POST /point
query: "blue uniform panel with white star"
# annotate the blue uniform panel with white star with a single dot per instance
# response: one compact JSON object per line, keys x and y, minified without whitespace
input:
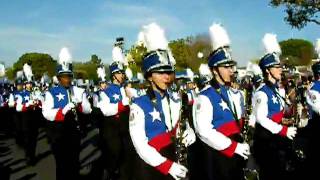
{"x":60,"y":96}
{"x":114,"y":93}
{"x":25,"y":95}
{"x":154,"y":118}
{"x":17,"y":93}
{"x":222,"y":119}
{"x":274,"y":104}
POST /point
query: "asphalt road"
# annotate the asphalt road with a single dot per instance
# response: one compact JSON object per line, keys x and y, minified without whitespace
{"x":12,"y":156}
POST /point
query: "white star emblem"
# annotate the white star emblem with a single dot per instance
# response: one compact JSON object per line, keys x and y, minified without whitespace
{"x":274,"y":100}
{"x":60,"y":96}
{"x":155,"y":115}
{"x":223,"y":105}
{"x":26,"y":98}
{"x":116,"y":97}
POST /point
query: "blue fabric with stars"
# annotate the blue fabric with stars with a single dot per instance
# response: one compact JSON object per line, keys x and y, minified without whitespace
{"x":153,"y":125}
{"x":114,"y":93}
{"x":60,"y":96}
{"x":221,"y":112}
{"x":274,"y":104}
{"x":25,"y":95}
{"x":17,"y":93}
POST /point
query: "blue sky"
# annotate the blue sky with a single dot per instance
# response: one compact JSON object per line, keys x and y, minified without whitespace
{"x":90,"y":26}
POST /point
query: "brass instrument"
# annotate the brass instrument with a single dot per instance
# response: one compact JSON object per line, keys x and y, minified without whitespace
{"x":73,"y":110}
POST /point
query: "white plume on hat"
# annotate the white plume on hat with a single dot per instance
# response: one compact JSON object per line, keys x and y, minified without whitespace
{"x":317,"y":47}
{"x":27,"y":71}
{"x":101,"y":73}
{"x":204,"y":71}
{"x":219,"y":36}
{"x":154,"y":37}
{"x":253,"y":69}
{"x":55,"y":80}
{"x":140,"y":40}
{"x":45,"y":78}
{"x":2,"y":70}
{"x":19,"y":75}
{"x":65,"y":58}
{"x":129,"y":74}
{"x":140,"y":77}
{"x":271,"y":44}
{"x":118,"y":56}
{"x":190,"y":74}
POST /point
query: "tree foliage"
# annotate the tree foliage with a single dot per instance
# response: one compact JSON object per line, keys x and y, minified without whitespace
{"x":300,"y":12}
{"x":40,"y":63}
{"x":88,"y":70}
{"x":297,"y":52}
{"x":184,"y":50}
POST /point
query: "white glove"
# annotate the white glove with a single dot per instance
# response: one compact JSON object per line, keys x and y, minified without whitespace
{"x":291,"y":132}
{"x":67,"y":108}
{"x":243,"y":149}
{"x":188,"y":137}
{"x":178,"y":171}
{"x":29,"y":103}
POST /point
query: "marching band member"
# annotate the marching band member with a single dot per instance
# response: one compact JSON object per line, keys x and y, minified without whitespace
{"x":60,"y":108}
{"x":114,"y":128}
{"x":154,"y":117}
{"x":216,"y":122}
{"x":268,"y":110}
{"x":313,"y":101}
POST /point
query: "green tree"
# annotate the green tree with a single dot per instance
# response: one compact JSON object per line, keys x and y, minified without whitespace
{"x":184,"y":50}
{"x":299,"y":12}
{"x":40,"y":63}
{"x":88,"y":70}
{"x":296,"y":52}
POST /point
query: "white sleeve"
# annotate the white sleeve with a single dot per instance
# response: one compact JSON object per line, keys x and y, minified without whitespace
{"x":125,"y":99}
{"x":313,"y":100}
{"x":261,"y":113}
{"x":11,"y":100}
{"x":140,"y":141}
{"x":19,"y":103}
{"x":86,"y":106}
{"x":47,"y":107}
{"x":106,"y":107}
{"x":134,"y":92}
{"x":205,"y":129}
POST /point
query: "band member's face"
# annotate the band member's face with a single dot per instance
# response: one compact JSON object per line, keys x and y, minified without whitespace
{"x":103,"y":85}
{"x":161,"y":79}
{"x":276,"y":72}
{"x":19,"y":87}
{"x":190,"y":86}
{"x":226,"y":72}
{"x":65,"y":80}
{"x":119,"y":77}
{"x":28,"y":86}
